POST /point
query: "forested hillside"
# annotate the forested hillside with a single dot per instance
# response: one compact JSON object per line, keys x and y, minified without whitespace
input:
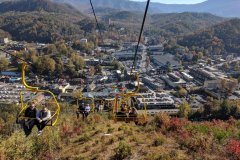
{"x":181,"y":23}
{"x":45,"y":21}
{"x":172,"y":23}
{"x":217,"y":39}
{"x":36,"y":5}
{"x":40,"y":21}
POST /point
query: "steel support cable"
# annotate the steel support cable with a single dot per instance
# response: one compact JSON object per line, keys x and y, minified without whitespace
{"x":98,"y":26}
{"x":140,"y":35}
{"x":29,"y":63}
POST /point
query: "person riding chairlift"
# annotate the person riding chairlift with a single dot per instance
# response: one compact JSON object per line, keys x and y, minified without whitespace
{"x":133,"y":112}
{"x":30,"y":115}
{"x":43,"y":118}
{"x":80,"y":110}
{"x":87,"y":110}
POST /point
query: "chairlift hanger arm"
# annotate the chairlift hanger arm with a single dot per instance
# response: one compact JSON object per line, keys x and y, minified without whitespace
{"x":35,"y":89}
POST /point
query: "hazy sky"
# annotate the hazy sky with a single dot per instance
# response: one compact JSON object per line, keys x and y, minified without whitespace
{"x":175,"y":1}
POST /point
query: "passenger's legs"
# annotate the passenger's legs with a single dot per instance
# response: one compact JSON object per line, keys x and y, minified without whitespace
{"x":28,"y":126}
{"x":42,"y":125}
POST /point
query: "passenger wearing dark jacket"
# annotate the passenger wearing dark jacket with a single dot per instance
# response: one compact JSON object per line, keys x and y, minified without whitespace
{"x":30,"y":118}
{"x":43,"y":117}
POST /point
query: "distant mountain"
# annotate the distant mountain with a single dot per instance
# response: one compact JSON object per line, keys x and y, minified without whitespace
{"x":224,"y":8}
{"x":36,"y":5}
{"x":219,"y":38}
{"x":123,"y":16}
{"x":171,"y":23}
{"x":181,"y":23}
{"x":40,"y":21}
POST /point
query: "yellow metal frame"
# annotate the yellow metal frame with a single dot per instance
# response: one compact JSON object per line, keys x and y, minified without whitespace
{"x":127,"y":96}
{"x":35,"y":89}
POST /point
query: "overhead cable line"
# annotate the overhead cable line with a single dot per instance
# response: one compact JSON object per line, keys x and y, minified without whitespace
{"x":140,"y":35}
{"x":98,"y":26}
{"x":7,"y":52}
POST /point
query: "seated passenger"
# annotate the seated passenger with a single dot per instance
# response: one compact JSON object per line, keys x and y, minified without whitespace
{"x":124,"y":108}
{"x":101,"y":107}
{"x":87,"y":110}
{"x":133,"y":112}
{"x":80,"y":110}
{"x":30,"y":115}
{"x":97,"y":108}
{"x":43,"y":118}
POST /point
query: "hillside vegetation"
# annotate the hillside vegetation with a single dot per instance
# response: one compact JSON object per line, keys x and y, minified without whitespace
{"x":182,"y":23}
{"x":45,"y":21}
{"x":40,"y":21}
{"x":172,"y":23}
{"x":101,"y":138}
{"x":40,"y":26}
{"x":36,"y":5}
{"x":217,"y":39}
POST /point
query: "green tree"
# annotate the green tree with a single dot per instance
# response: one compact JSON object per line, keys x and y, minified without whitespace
{"x":92,"y":71}
{"x":59,"y":67}
{"x":169,"y":66}
{"x":98,"y":68}
{"x":62,"y":48}
{"x":195,"y":58}
{"x":46,"y":65}
{"x":182,"y":92}
{"x":225,"y":110}
{"x":78,"y":62}
{"x":71,"y":68}
{"x":116,"y":65}
{"x":200,"y":55}
{"x":225,"y":66}
{"x":3,"y":64}
{"x":51,"y":49}
{"x":184,"y":110}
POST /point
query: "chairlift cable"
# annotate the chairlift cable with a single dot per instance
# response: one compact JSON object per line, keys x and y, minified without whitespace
{"x":29,"y":63}
{"x":98,"y":26}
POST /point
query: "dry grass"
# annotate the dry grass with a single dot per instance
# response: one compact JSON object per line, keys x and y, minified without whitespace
{"x":101,"y":138}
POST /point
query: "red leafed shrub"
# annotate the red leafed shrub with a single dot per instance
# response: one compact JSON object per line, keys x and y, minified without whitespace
{"x":66,"y":131}
{"x":2,"y":155}
{"x":177,"y":124}
{"x":77,"y":130}
{"x":46,"y":156}
{"x":232,"y":121}
{"x":220,"y":124}
{"x":183,"y":134}
{"x":233,"y":148}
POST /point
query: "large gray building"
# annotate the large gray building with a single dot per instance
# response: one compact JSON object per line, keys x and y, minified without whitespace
{"x":164,"y":59}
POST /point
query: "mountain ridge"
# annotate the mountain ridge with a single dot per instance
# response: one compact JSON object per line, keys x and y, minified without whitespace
{"x":221,"y":7}
{"x":40,"y":20}
{"x":37,"y":5}
{"x":217,"y":39}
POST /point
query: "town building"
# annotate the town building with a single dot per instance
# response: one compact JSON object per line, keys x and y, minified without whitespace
{"x":4,"y":40}
{"x":155,"y":49}
{"x":173,"y":80}
{"x":126,"y":55}
{"x":186,"y":76}
{"x":166,"y":59}
{"x":154,"y":84}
